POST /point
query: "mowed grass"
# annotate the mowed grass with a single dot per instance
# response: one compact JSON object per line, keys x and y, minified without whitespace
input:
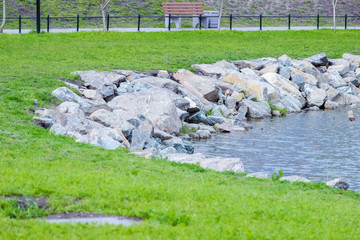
{"x":176,"y":201}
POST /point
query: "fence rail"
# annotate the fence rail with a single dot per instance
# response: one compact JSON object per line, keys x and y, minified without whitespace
{"x":139,"y":18}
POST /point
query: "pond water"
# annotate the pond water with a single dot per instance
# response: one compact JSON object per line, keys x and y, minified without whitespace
{"x":319,"y":145}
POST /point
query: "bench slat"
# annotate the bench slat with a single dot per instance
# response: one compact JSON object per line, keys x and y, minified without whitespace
{"x":183,"y":8}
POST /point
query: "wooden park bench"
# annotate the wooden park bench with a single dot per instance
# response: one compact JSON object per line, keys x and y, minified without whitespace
{"x":175,"y":10}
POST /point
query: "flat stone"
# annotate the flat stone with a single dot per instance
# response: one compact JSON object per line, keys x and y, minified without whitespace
{"x":339,"y":183}
{"x":215,"y":68}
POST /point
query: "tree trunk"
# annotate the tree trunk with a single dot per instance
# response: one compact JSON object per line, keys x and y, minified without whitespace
{"x":220,"y":14}
{"x":4,"y":17}
{"x":103,"y":16}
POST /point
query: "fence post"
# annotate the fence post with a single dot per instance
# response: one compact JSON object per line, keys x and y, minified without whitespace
{"x":346,"y":19}
{"x":231,"y":18}
{"x":169,"y":23}
{"x":48,"y":23}
{"x":139,"y":20}
{"x":200,"y":22}
{"x":77,"y":23}
{"x":261,"y":17}
{"x":318,"y":22}
{"x":19,"y":24}
{"x":289,"y":17}
{"x":38,"y":26}
{"x":108,"y":22}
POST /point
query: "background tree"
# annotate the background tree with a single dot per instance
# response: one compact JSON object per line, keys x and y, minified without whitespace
{"x":4,"y":17}
{"x":334,"y":2}
{"x":220,"y":14}
{"x":103,"y":5}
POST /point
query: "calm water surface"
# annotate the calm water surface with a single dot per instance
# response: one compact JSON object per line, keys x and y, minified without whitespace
{"x":318,"y":145}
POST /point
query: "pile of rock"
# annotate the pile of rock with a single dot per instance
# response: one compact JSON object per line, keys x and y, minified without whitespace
{"x":146,"y":112}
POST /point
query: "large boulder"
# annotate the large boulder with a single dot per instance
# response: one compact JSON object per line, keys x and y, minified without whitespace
{"x":285,"y":85}
{"x":112,"y":120}
{"x":256,"y":109}
{"x":354,"y":59}
{"x":340,"y":65}
{"x":248,"y":64}
{"x":215,"y":68}
{"x":217,"y":164}
{"x":334,"y":79}
{"x":300,"y":76}
{"x":199,"y":84}
{"x":252,"y":84}
{"x":155,"y":104}
{"x":65,"y":94}
{"x":316,"y":98}
{"x":159,"y":82}
{"x":339,"y":183}
{"x":318,"y":60}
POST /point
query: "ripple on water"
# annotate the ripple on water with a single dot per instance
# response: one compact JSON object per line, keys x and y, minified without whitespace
{"x":319,"y":145}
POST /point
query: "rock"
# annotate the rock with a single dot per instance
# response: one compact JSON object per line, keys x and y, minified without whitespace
{"x":294,"y":178}
{"x":339,"y":99}
{"x":159,"y":82}
{"x":305,"y":67}
{"x":285,"y":72}
{"x":203,"y":134}
{"x":230,"y":102}
{"x":65,"y":94}
{"x":316,"y":98}
{"x":330,"y":105}
{"x":346,"y":90}
{"x":334,"y":79}
{"x":193,"y":108}
{"x":305,"y":77}
{"x":161,"y":135}
{"x":260,"y":175}
{"x":197,"y":84}
{"x":154,"y":143}
{"x":140,"y":135}
{"x":182,"y":114}
{"x":256,"y":109}
{"x":271,"y":68}
{"x":275,"y":113}
{"x":199,"y":127}
{"x":351,"y":99}
{"x":318,"y":60}
{"x":155,"y":104}
{"x":35,"y":102}
{"x":248,"y":64}
{"x":167,"y":151}
{"x":290,"y":103}
{"x":238,"y":96}
{"x":147,"y":153}
{"x":298,"y":80}
{"x":180,"y":145}
{"x":141,"y":86}
{"x":215,"y":68}
{"x":354,"y":59}
{"x":44,"y":122}
{"x":221,"y":111}
{"x":339,"y":65}
{"x":351,"y":115}
{"x":265,"y":61}
{"x":285,"y":85}
{"x":254,"y":86}
{"x":314,"y":108}
{"x":89,"y":93}
{"x":163,"y":74}
{"x":200,"y":117}
{"x":217,"y":164}
{"x":339,"y":183}
{"x":112,"y":120}
{"x":108,"y":143}
{"x":125,"y":87}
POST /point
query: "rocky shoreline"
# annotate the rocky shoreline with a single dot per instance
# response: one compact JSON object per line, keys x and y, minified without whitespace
{"x":156,"y":114}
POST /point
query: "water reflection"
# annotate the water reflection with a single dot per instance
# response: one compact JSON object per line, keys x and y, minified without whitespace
{"x":318,"y":145}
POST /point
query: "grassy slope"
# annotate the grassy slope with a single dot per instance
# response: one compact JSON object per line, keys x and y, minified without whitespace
{"x":178,"y":201}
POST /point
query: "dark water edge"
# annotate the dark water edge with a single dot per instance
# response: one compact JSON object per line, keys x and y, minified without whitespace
{"x":319,"y":145}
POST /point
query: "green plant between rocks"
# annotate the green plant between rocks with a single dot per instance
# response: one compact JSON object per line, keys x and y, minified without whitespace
{"x":210,"y":112}
{"x":283,"y":111}
{"x":277,"y":176}
{"x":186,"y":130}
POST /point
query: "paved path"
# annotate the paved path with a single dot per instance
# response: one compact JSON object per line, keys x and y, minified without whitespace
{"x":67,"y":30}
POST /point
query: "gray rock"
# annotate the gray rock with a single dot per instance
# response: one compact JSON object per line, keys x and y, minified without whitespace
{"x":215,"y":68}
{"x":125,"y":87}
{"x":271,"y":68}
{"x":217,"y":119}
{"x":88,"y":110}
{"x":314,"y":108}
{"x":285,"y":72}
{"x":155,"y":104}
{"x":167,"y":151}
{"x":154,"y":143}
{"x":109,"y":143}
{"x":330,"y":105}
{"x":44,"y":122}
{"x":112,"y":120}
{"x":203,"y":134}
{"x":217,"y":164}
{"x":163,"y":74}
{"x":316,"y":98}
{"x":339,"y":99}
{"x":200,"y":117}
{"x":294,"y":178}
{"x":318,"y":60}
{"x":248,"y":64}
{"x":161,"y":135}
{"x":308,"y":88}
{"x":140,"y":135}
{"x":346,"y":89}
{"x":159,"y":82}
{"x":298,"y":77}
{"x":199,"y":127}
{"x":275,"y":113}
{"x":221,"y":111}
{"x":147,"y":153}
{"x":334,"y":79}
{"x":354,"y":59}
{"x":227,"y":127}
{"x":65,"y":94}
{"x":180,"y":145}
{"x":230,"y":102}
{"x":198,"y":84}
{"x":260,"y":175}
{"x":141,"y":86}
{"x":339,"y":183}
{"x":339,"y":65}
{"x":256,"y":109}
{"x":182,"y":114}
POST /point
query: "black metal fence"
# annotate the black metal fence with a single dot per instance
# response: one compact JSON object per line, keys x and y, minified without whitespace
{"x":228,"y":21}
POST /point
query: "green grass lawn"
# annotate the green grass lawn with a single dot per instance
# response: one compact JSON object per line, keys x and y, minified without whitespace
{"x":176,"y":201}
